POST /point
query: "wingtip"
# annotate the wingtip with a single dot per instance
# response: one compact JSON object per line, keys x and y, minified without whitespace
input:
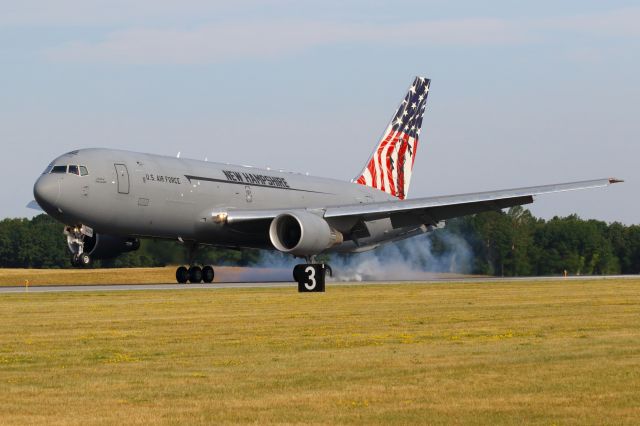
{"x":614,"y":180}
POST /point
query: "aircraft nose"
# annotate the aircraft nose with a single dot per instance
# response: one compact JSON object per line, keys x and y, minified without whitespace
{"x":46,"y":192}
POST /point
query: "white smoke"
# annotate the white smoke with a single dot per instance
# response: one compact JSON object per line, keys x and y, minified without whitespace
{"x":410,"y":259}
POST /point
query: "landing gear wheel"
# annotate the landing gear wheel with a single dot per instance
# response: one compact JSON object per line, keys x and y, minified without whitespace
{"x":207,"y":274}
{"x":182,"y":275}
{"x":80,"y":260}
{"x":85,"y":259}
{"x":195,"y":275}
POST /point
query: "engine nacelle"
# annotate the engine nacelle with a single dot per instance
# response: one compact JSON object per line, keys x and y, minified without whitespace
{"x":101,"y":246}
{"x":302,"y":233}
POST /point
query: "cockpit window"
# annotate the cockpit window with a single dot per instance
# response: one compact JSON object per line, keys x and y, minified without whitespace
{"x":48,"y":169}
{"x":72,"y":169}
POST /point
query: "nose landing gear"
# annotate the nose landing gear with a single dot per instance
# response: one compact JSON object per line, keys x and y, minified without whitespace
{"x":75,"y":242}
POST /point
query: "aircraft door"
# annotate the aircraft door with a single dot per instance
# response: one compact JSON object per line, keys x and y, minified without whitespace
{"x":122,"y":175}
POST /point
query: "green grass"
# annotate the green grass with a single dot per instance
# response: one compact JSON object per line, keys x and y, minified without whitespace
{"x":541,"y":353}
{"x":81,"y":276}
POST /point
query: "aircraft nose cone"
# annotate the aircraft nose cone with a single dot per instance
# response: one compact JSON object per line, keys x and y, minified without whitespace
{"x":46,"y":192}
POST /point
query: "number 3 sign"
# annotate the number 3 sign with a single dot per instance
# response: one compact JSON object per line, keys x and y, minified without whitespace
{"x":310,"y":277}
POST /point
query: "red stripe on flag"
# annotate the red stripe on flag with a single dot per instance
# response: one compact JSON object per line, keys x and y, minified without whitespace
{"x":392,"y":184}
{"x":379,"y":152}
{"x":402,"y":152}
{"x":372,"y":170}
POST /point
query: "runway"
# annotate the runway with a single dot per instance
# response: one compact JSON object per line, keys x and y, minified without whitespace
{"x":221,"y":286}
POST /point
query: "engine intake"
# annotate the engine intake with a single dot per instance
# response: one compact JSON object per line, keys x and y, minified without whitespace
{"x":302,"y":233}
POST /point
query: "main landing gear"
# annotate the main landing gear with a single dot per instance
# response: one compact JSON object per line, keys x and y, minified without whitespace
{"x":195,"y":274}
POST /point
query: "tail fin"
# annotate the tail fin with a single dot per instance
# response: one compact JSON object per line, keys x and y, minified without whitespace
{"x":390,"y":165}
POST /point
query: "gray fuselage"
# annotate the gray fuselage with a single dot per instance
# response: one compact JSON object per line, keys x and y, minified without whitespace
{"x":146,"y":195}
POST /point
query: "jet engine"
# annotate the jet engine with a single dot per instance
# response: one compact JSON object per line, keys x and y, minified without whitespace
{"x":101,"y":246}
{"x":302,"y":233}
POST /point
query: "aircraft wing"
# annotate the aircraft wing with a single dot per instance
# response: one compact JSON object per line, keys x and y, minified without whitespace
{"x":427,"y":210}
{"x":450,"y":206}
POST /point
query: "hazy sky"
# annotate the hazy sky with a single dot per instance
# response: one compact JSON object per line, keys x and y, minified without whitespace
{"x":522,"y":93}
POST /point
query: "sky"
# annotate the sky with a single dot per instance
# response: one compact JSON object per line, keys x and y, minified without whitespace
{"x":522,"y":93}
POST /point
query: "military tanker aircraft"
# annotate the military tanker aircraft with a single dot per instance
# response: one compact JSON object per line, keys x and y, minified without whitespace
{"x":108,"y":199}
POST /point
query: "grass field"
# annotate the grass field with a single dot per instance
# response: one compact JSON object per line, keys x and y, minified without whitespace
{"x":17,"y":276}
{"x":38,"y":277}
{"x":491,"y":353}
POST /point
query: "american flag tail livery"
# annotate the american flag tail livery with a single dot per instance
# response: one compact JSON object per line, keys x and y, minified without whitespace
{"x":390,"y":165}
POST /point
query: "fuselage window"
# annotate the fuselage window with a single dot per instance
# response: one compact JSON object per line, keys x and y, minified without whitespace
{"x":83,"y":171}
{"x":73,"y":169}
{"x":59,"y":169}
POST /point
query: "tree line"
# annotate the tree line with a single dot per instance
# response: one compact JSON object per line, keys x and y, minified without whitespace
{"x":504,"y":243}
{"x":515,"y":243}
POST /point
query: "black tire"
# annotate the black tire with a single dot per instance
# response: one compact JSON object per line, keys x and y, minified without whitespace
{"x":328,"y":269}
{"x":182,"y":275}
{"x":85,"y":259}
{"x":75,"y":262}
{"x":208,"y":274}
{"x":195,"y":275}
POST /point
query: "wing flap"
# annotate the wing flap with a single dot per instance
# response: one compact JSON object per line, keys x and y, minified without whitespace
{"x":433,"y":215}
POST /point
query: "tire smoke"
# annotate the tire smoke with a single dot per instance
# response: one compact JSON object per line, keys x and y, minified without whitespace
{"x":415,"y":258}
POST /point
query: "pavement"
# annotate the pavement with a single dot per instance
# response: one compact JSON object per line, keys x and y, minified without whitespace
{"x":329,"y":284}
